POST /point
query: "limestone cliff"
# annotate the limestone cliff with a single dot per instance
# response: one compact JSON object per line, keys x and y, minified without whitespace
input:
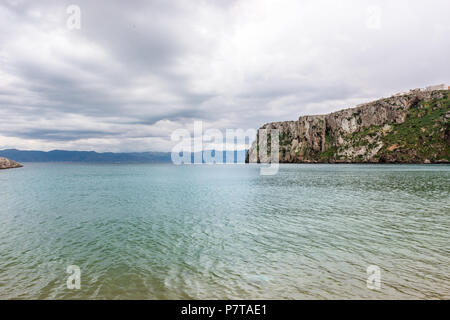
{"x":408,"y":128}
{"x":7,"y":164}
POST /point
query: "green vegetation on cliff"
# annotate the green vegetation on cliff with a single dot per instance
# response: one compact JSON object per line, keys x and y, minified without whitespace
{"x":424,"y":135}
{"x":413,"y":127}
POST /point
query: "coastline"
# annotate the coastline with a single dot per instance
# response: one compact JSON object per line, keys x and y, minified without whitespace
{"x":411,"y":129}
{"x":8,"y":164}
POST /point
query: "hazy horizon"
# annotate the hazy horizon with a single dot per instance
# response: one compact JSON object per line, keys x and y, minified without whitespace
{"x":131,"y":75}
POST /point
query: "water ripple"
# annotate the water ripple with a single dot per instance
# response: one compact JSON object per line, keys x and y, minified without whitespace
{"x":218,"y":232}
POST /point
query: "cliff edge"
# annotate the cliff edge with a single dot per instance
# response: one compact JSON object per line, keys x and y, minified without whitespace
{"x":412,"y":127}
{"x":8,"y":164}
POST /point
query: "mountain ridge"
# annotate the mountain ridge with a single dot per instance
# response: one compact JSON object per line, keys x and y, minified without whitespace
{"x":107,"y":157}
{"x":411,"y":127}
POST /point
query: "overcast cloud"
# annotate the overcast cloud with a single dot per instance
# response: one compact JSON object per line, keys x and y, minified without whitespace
{"x":138,"y":70}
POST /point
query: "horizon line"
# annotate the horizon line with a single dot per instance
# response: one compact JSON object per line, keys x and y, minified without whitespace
{"x":93,"y":151}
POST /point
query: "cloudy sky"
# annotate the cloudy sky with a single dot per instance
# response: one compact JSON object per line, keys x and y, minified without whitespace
{"x":135,"y":71}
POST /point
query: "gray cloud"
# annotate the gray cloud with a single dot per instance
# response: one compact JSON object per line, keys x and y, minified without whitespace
{"x":61,"y":135}
{"x":136,"y":72}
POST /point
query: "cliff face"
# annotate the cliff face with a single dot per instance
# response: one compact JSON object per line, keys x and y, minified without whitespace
{"x":411,"y":128}
{"x":7,"y":164}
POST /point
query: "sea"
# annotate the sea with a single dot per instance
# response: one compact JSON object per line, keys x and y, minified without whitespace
{"x":162,"y":231}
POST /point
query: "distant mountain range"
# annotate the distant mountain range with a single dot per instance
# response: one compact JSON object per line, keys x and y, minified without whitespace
{"x":106,"y":157}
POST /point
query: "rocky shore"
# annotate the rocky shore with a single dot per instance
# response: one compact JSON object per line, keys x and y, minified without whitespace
{"x":8,"y":164}
{"x":409,"y":128}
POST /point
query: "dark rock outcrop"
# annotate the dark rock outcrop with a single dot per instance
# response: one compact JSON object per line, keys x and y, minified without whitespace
{"x":408,"y":128}
{"x":8,"y":164}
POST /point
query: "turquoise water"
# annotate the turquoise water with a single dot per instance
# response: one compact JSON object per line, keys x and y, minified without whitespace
{"x":209,"y":232}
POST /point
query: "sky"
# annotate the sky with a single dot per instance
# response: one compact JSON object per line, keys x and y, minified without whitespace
{"x":127,"y":74}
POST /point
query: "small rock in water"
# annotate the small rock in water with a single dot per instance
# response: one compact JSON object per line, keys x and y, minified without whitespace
{"x":7,"y":164}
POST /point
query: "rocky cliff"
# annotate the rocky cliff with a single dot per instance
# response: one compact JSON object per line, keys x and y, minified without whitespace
{"x":7,"y":164}
{"x":408,"y":128}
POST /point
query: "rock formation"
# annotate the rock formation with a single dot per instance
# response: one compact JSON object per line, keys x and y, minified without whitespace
{"x":408,"y":128}
{"x":7,"y":164}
